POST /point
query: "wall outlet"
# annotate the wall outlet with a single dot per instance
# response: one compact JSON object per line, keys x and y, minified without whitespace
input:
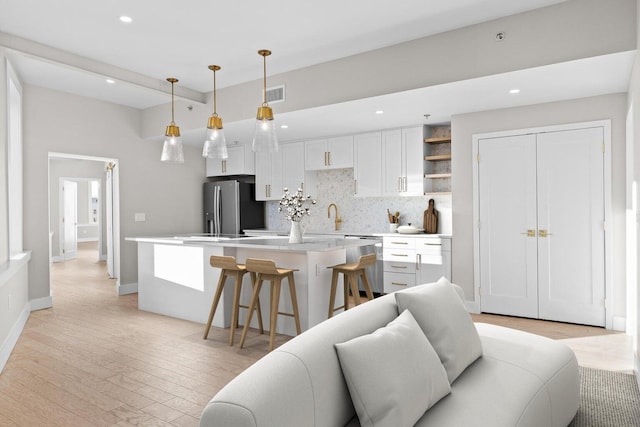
{"x":140,"y":217}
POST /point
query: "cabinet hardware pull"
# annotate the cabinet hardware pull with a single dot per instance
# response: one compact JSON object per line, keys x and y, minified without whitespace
{"x":543,"y":233}
{"x":398,"y":266}
{"x":355,"y":186}
{"x":329,"y":158}
{"x":530,"y":233}
{"x":399,"y":243}
{"x":399,"y":255}
{"x":398,"y":284}
{"x":404,"y":184}
{"x":399,"y":184}
{"x":418,"y":261}
{"x":432,"y":244}
{"x":325,"y":158}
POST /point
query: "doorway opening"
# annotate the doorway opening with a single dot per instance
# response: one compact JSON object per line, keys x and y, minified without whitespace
{"x":84,"y":237}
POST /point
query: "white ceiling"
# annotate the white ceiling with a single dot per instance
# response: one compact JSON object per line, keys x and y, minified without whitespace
{"x":168,"y":38}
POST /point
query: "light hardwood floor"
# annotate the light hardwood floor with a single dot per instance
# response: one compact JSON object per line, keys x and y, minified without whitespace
{"x":95,"y":360}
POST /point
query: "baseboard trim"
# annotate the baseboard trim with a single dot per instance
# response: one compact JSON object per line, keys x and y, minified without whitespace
{"x":128,"y":288}
{"x":473,"y":307}
{"x":41,"y":303}
{"x":619,"y":323}
{"x":14,"y":335}
{"x":87,"y":239}
{"x":57,"y":258}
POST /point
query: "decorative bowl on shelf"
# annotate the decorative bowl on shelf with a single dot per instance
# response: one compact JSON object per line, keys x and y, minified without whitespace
{"x":409,"y":229}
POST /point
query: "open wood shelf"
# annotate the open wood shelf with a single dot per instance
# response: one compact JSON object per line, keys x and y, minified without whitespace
{"x":438,"y":175}
{"x":438,"y":140}
{"x":438,"y":157}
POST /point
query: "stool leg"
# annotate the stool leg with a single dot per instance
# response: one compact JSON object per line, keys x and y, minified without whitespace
{"x":353,"y":281}
{"x":367,"y":285}
{"x":253,"y":283}
{"x":252,"y":305}
{"x":345,"y":291}
{"x":236,"y":306}
{"x":294,"y":301}
{"x":275,"y":303}
{"x":332,"y":295}
{"x":214,"y":304}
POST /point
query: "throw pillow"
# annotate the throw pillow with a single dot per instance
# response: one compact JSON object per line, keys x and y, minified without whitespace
{"x":444,"y":320}
{"x":393,"y":375}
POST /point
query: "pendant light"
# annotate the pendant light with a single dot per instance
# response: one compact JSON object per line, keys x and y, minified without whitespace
{"x":215,"y":145}
{"x":172,"y":149}
{"x":264,"y":137}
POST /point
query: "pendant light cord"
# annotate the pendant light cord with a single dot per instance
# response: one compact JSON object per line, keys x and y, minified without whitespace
{"x":172,"y":107}
{"x":215,"y":114}
{"x":264,"y":91}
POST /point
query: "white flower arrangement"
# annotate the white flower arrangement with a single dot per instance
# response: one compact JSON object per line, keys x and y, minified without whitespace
{"x":295,"y":206}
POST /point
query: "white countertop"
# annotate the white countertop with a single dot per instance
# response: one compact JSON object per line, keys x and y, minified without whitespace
{"x":342,"y":233}
{"x":279,"y":243}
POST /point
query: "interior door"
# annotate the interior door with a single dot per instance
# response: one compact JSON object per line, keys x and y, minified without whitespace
{"x":571,"y":273}
{"x":70,"y":220}
{"x":109,"y":215}
{"x":507,"y":187}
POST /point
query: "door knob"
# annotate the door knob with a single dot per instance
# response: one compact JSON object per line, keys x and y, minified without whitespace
{"x":543,"y":233}
{"x":530,"y":233}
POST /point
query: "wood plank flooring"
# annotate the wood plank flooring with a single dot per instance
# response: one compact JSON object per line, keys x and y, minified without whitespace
{"x":96,"y":360}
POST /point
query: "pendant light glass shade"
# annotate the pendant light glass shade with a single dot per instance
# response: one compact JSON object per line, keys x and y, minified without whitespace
{"x":264,"y":136}
{"x":215,"y":144}
{"x":172,"y":151}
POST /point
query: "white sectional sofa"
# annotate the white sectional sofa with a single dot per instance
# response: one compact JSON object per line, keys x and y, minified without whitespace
{"x":520,"y":379}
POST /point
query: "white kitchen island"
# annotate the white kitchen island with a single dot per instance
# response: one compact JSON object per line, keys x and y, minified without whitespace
{"x":176,"y":279}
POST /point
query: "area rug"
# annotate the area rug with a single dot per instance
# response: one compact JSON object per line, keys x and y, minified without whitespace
{"x":607,"y":399}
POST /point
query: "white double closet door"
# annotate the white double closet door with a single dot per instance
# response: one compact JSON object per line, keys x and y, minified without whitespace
{"x":541,"y":212}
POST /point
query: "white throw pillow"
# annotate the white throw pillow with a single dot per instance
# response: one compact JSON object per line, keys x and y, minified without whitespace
{"x":444,"y":320}
{"x":394,"y":375}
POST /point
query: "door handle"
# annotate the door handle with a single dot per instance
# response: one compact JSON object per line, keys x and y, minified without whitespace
{"x":543,"y":233}
{"x":531,"y":233}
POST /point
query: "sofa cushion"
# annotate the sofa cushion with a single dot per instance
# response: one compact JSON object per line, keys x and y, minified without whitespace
{"x":444,"y":320}
{"x":394,"y":375}
{"x":521,"y":380}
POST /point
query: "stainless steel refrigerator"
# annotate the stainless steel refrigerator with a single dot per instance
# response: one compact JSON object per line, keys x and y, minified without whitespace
{"x":230,"y":207}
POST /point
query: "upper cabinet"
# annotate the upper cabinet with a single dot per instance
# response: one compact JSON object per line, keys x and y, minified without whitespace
{"x":331,"y":153}
{"x":437,"y":156}
{"x":402,"y":164}
{"x":280,"y":170}
{"x":367,"y":150}
{"x":240,"y":162}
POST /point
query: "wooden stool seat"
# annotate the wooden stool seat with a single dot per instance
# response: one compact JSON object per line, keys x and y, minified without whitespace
{"x":237,"y":271}
{"x":351,"y":273}
{"x":267,"y":270}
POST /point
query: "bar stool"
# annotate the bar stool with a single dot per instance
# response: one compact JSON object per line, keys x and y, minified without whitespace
{"x":236,"y":271}
{"x":267,"y":270}
{"x":351,"y":273}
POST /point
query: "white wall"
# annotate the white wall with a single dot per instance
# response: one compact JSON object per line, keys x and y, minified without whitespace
{"x":570,"y":30}
{"x":580,"y":110}
{"x":170,"y":194}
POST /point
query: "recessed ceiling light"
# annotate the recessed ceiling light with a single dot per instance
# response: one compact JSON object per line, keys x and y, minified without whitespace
{"x":284,"y":127}
{"x":514,"y":91}
{"x":110,"y":81}
{"x":126,"y":19}
{"x":379,"y":112}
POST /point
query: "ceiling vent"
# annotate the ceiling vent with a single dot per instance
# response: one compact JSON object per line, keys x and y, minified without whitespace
{"x":275,"y":94}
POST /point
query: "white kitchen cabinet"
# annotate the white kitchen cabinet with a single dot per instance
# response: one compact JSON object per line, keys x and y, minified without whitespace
{"x":367,"y":164}
{"x":280,"y":170}
{"x":331,"y":153}
{"x":402,"y":157}
{"x":240,"y":162}
{"x":414,"y":260}
{"x":293,"y":175}
{"x":268,"y":175}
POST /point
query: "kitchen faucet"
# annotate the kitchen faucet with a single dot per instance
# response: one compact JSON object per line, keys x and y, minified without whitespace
{"x":338,"y":219}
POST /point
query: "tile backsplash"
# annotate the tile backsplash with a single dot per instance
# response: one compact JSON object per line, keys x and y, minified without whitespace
{"x":360,"y":215}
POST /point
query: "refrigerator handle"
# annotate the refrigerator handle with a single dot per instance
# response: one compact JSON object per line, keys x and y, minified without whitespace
{"x":216,"y":209}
